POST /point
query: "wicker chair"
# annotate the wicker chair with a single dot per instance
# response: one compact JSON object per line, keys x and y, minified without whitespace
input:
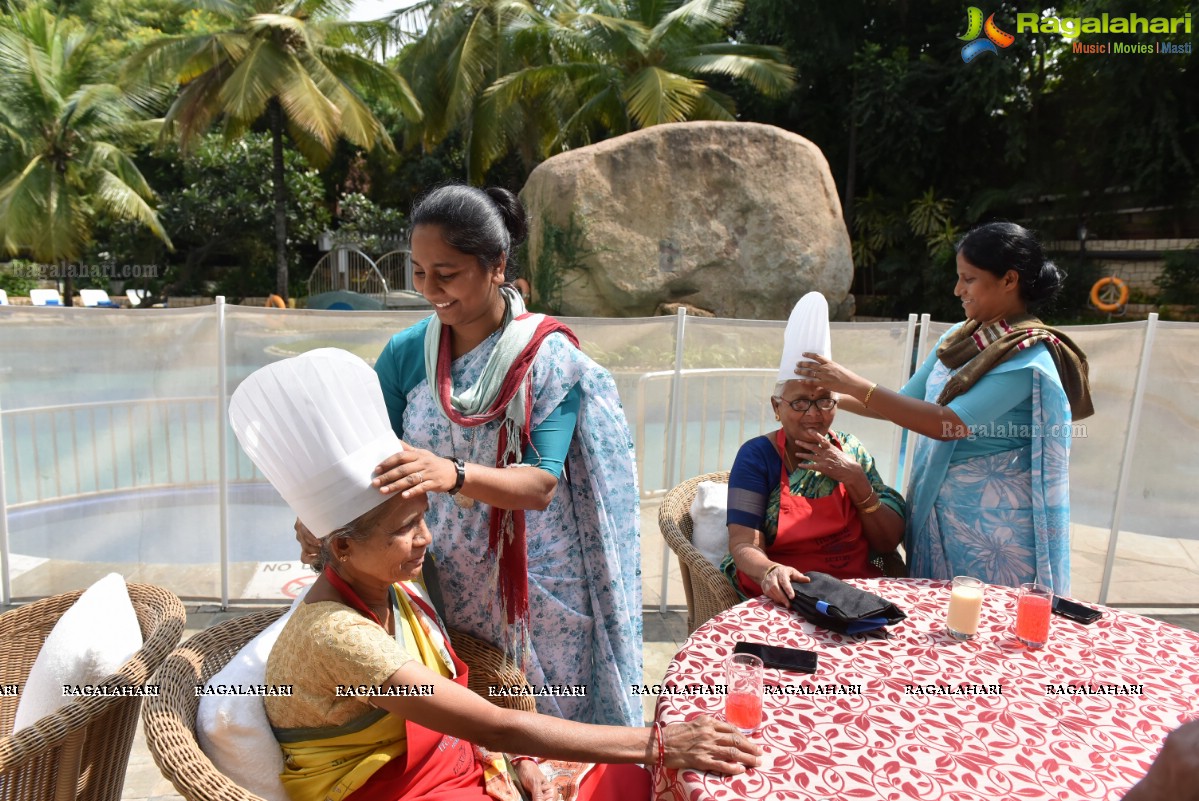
{"x":80,"y":751}
{"x":708,"y":591}
{"x":170,"y":719}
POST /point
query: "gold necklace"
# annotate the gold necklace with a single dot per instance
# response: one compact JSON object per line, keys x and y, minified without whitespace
{"x":787,"y":455}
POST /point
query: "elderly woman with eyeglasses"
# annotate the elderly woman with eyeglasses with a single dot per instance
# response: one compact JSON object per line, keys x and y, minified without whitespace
{"x":805,"y":497}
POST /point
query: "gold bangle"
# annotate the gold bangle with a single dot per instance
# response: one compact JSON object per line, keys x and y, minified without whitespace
{"x":769,"y":570}
{"x":866,"y":501}
{"x":874,"y":508}
{"x":869,"y":392}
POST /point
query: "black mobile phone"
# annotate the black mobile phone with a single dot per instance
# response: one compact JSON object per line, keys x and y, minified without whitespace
{"x":1074,"y":611}
{"x":780,"y":658}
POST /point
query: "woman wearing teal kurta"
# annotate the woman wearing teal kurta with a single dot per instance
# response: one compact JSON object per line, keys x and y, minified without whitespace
{"x":520,"y":441}
{"x":989,"y":492}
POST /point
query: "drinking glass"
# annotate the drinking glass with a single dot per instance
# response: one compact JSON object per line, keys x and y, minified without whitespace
{"x":965,"y":604}
{"x":743,"y":704}
{"x":1034,"y":603}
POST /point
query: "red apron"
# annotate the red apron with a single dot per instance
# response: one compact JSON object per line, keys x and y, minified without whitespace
{"x":822,"y":534}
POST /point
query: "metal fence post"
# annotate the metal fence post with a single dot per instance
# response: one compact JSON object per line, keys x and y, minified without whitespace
{"x":905,"y":372}
{"x":5,"y":578}
{"x":672,"y":438}
{"x":1134,"y":423}
{"x":921,"y":347}
{"x":222,"y":418}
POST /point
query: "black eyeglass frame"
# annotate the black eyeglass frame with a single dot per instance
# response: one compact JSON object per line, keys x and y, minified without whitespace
{"x":801,"y":405}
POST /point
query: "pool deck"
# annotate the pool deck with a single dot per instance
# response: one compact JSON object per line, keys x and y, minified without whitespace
{"x":1152,"y":575}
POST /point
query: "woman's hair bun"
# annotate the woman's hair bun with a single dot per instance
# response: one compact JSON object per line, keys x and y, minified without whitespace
{"x":1046,"y":284}
{"x":513,"y":212}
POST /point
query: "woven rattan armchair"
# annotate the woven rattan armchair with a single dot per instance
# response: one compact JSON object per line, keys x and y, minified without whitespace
{"x":170,"y":719}
{"x":708,"y":591}
{"x":80,"y":751}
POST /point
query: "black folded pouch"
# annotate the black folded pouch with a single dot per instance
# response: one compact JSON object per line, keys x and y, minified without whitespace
{"x":832,"y":604}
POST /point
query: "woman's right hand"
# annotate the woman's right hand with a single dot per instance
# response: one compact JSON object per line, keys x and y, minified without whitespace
{"x":817,"y":371}
{"x":310,"y":546}
{"x":415,"y":471}
{"x":776,"y":583}
{"x":709,"y":744}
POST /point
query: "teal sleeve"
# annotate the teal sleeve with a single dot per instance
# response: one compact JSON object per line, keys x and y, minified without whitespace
{"x":400,"y":367}
{"x":550,"y":441}
{"x":993,"y":396}
{"x":914,"y":388}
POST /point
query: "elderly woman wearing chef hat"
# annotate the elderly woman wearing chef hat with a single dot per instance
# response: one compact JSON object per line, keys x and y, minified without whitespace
{"x":316,"y":426}
{"x":806,"y":496}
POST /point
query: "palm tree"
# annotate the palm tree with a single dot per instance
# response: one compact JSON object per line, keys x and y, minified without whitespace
{"x":288,"y":64}
{"x":562,"y":73}
{"x":465,"y":47}
{"x":62,"y":137}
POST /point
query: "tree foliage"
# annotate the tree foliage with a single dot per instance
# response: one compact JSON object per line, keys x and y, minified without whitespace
{"x":539,"y":78}
{"x":215,"y":206}
{"x":64,"y":139}
{"x":1035,"y":133}
{"x":293,"y":65}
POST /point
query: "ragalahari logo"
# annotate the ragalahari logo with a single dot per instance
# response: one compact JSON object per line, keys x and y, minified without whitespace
{"x":975,"y":26}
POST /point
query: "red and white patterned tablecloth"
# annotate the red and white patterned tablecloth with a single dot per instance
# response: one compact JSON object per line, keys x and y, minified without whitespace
{"x":1027,"y":741}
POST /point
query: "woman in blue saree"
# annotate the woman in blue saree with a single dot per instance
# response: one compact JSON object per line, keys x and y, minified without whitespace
{"x":520,"y":442}
{"x":993,"y":404}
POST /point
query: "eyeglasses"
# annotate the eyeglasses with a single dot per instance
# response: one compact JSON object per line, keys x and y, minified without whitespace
{"x":801,"y":405}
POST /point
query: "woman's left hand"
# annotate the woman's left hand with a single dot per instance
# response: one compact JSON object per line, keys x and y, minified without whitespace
{"x":816,"y":452}
{"x":413,"y":472}
{"x":818,"y":371}
{"x":534,"y":781}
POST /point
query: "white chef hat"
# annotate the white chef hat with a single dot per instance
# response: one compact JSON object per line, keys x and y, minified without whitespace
{"x":807,"y":332}
{"x":316,"y":425}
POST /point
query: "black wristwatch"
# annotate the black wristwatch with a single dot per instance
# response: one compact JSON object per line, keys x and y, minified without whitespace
{"x":461,"y":467}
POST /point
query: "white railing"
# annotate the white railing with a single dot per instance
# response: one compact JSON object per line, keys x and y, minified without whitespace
{"x":700,"y":392}
{"x":1131,"y":474}
{"x":115,"y":446}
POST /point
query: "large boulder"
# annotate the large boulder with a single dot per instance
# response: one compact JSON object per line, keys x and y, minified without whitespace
{"x":740,"y":219}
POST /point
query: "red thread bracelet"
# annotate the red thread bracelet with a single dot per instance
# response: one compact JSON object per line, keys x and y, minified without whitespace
{"x":661,"y":765}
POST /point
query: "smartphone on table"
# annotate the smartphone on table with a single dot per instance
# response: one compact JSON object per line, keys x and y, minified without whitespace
{"x":773,"y":656}
{"x":1075,"y":611}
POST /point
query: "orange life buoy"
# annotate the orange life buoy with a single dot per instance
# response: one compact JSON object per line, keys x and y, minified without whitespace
{"x":1102,"y":300}
{"x":275,"y":301}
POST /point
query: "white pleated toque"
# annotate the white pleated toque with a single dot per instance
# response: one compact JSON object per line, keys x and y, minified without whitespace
{"x":316,"y":426}
{"x":807,"y":332}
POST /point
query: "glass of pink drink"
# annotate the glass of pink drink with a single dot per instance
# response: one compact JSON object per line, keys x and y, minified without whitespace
{"x":743,"y":704}
{"x":1033,"y":606}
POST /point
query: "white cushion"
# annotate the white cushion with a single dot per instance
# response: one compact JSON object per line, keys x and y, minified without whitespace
{"x":233,"y":730}
{"x":91,"y":641}
{"x":709,"y":527}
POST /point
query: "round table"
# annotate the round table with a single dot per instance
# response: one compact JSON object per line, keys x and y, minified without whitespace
{"x":921,"y":715}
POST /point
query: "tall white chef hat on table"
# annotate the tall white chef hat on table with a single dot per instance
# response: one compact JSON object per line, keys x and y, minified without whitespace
{"x":316,"y":425}
{"x":807,"y":332}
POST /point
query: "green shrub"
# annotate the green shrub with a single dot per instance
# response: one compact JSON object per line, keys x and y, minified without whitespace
{"x":1179,"y":281}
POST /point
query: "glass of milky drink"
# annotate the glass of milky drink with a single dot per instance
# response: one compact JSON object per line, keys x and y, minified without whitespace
{"x":965,"y":603}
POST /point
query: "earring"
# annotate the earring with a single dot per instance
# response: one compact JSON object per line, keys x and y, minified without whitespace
{"x":344,"y":557}
{"x":776,"y":417}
